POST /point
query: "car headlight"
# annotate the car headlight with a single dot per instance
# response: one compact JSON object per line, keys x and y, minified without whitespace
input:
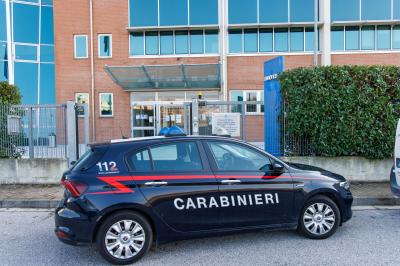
{"x":345,"y":185}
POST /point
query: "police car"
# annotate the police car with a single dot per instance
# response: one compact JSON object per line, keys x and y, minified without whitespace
{"x":126,"y":195}
{"x":395,"y":172}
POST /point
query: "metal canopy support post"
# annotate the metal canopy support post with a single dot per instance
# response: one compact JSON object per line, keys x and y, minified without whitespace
{"x":243,"y":104}
{"x":71,"y":132}
{"x":184,"y":75}
{"x":31,"y":148}
{"x":146,"y":73}
{"x":195,"y":117}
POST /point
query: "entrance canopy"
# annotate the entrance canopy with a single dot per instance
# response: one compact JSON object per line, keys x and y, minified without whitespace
{"x":205,"y":76}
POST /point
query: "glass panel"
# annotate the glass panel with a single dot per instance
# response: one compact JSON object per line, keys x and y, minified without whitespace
{"x":143,"y":116}
{"x":26,"y":52}
{"x":181,"y":156}
{"x":144,"y":96}
{"x":196,"y":42}
{"x":3,"y":24}
{"x":81,"y":47}
{"x":141,"y":161}
{"x":181,"y":42}
{"x":166,"y":42}
{"x":281,"y":40}
{"x":383,"y":36}
{"x":273,"y":11}
{"x":211,"y":42}
{"x":301,"y":10}
{"x":106,"y":104}
{"x":375,"y":9}
{"x":26,"y":23}
{"x":235,"y":41}
{"x":337,"y":38}
{"x":47,"y":84}
{"x":143,"y":13}
{"x":47,"y":2}
{"x":242,"y":11}
{"x":151,"y":42}
{"x":236,"y":96}
{"x":140,"y":133}
{"x":200,"y":7}
{"x":173,"y":12}
{"x":345,"y":10}
{"x":171,"y":96}
{"x":251,"y":97}
{"x":396,"y":9}
{"x":297,"y":39}
{"x":47,"y":53}
{"x":3,"y":70}
{"x":26,"y":78}
{"x":396,"y":37}
{"x":136,"y":43}
{"x":352,"y":38}
{"x":105,"y":45}
{"x":266,"y":40}
{"x":46,"y":32}
{"x":236,"y":157}
{"x":3,"y":51}
{"x":368,"y":38}
{"x":250,"y":40}
{"x":309,"y":32}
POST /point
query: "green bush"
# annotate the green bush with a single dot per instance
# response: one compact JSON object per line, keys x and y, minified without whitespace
{"x":344,"y":110}
{"x":9,"y":95}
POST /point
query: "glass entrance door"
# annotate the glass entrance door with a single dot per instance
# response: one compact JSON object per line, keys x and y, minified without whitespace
{"x":143,"y":120}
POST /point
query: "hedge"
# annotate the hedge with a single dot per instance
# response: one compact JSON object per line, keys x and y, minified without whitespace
{"x":344,"y":110}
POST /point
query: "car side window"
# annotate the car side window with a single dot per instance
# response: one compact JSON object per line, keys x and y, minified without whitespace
{"x":141,"y":161}
{"x":236,"y":157}
{"x":179,"y":156}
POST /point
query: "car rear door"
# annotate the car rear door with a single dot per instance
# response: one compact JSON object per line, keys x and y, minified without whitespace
{"x":176,"y":179}
{"x":251,"y":192}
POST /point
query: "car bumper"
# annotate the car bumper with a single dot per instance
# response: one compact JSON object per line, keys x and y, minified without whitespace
{"x":347,"y":201}
{"x":395,"y":187}
{"x":71,"y":226}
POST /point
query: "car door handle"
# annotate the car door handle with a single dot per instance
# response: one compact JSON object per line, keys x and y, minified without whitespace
{"x":231,"y":181}
{"x":156,"y":183}
{"x":301,"y":185}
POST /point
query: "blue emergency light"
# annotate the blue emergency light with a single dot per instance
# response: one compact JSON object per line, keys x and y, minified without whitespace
{"x":173,"y":131}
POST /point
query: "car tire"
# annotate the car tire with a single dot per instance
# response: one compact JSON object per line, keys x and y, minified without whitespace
{"x":124,"y":237}
{"x":319,"y":218}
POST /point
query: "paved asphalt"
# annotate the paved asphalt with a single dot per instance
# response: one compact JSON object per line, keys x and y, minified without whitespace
{"x":372,"y":237}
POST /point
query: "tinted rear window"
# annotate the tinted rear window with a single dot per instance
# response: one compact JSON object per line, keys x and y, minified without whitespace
{"x":88,"y":159}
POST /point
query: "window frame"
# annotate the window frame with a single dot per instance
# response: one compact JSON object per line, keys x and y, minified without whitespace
{"x":99,"y":43}
{"x":213,"y":160}
{"x":112,"y":104}
{"x":36,"y":46}
{"x":244,"y":95}
{"x":75,"y":46}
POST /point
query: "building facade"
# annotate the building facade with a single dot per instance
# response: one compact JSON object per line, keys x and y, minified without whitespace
{"x":121,"y":56}
{"x":27,"y":48}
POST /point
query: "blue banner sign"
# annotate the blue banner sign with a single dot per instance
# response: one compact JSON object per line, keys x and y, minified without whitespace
{"x":273,"y":105}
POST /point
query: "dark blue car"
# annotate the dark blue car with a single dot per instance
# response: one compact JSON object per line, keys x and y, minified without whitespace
{"x":127,"y":195}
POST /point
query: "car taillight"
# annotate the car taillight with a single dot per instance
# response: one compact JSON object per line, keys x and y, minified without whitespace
{"x":76,"y":188}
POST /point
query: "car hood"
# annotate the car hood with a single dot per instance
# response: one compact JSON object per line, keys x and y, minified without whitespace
{"x":310,"y":168}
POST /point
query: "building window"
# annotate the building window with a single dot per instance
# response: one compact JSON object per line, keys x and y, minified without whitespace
{"x":200,"y":7}
{"x":281,"y":40}
{"x":396,"y":9}
{"x":174,"y":42}
{"x":266,"y":40}
{"x":235,"y":41}
{"x":352,"y":38}
{"x":26,"y":52}
{"x":81,"y":98}
{"x":26,"y":23}
{"x":379,"y":37}
{"x":368,"y":38}
{"x":242,"y":11}
{"x":3,"y":24}
{"x":250,"y":40}
{"x":271,"y":11}
{"x":301,"y":10}
{"x":105,"y":45}
{"x":375,"y":9}
{"x":350,"y":13}
{"x":80,"y":46}
{"x":247,"y":96}
{"x":143,"y":13}
{"x":173,"y":12}
{"x":297,"y":39}
{"x":106,"y":105}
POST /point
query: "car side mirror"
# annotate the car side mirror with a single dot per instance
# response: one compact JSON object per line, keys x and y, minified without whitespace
{"x":278,"y":167}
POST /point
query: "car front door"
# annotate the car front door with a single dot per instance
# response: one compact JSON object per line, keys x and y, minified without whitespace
{"x":176,"y":180}
{"x":252,"y":192}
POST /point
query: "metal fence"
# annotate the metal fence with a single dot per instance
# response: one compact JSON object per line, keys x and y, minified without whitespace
{"x":33,"y":131}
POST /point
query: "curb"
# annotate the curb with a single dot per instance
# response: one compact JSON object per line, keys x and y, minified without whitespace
{"x":35,"y":204}
{"x":50,"y":204}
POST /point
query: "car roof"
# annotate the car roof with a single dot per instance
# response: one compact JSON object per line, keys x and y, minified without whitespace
{"x":160,"y":138}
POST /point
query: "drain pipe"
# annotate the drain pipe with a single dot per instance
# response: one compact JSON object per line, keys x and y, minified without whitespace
{"x":92,"y":71}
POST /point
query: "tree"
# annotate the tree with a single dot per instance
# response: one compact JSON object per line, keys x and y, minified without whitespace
{"x":9,"y":95}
